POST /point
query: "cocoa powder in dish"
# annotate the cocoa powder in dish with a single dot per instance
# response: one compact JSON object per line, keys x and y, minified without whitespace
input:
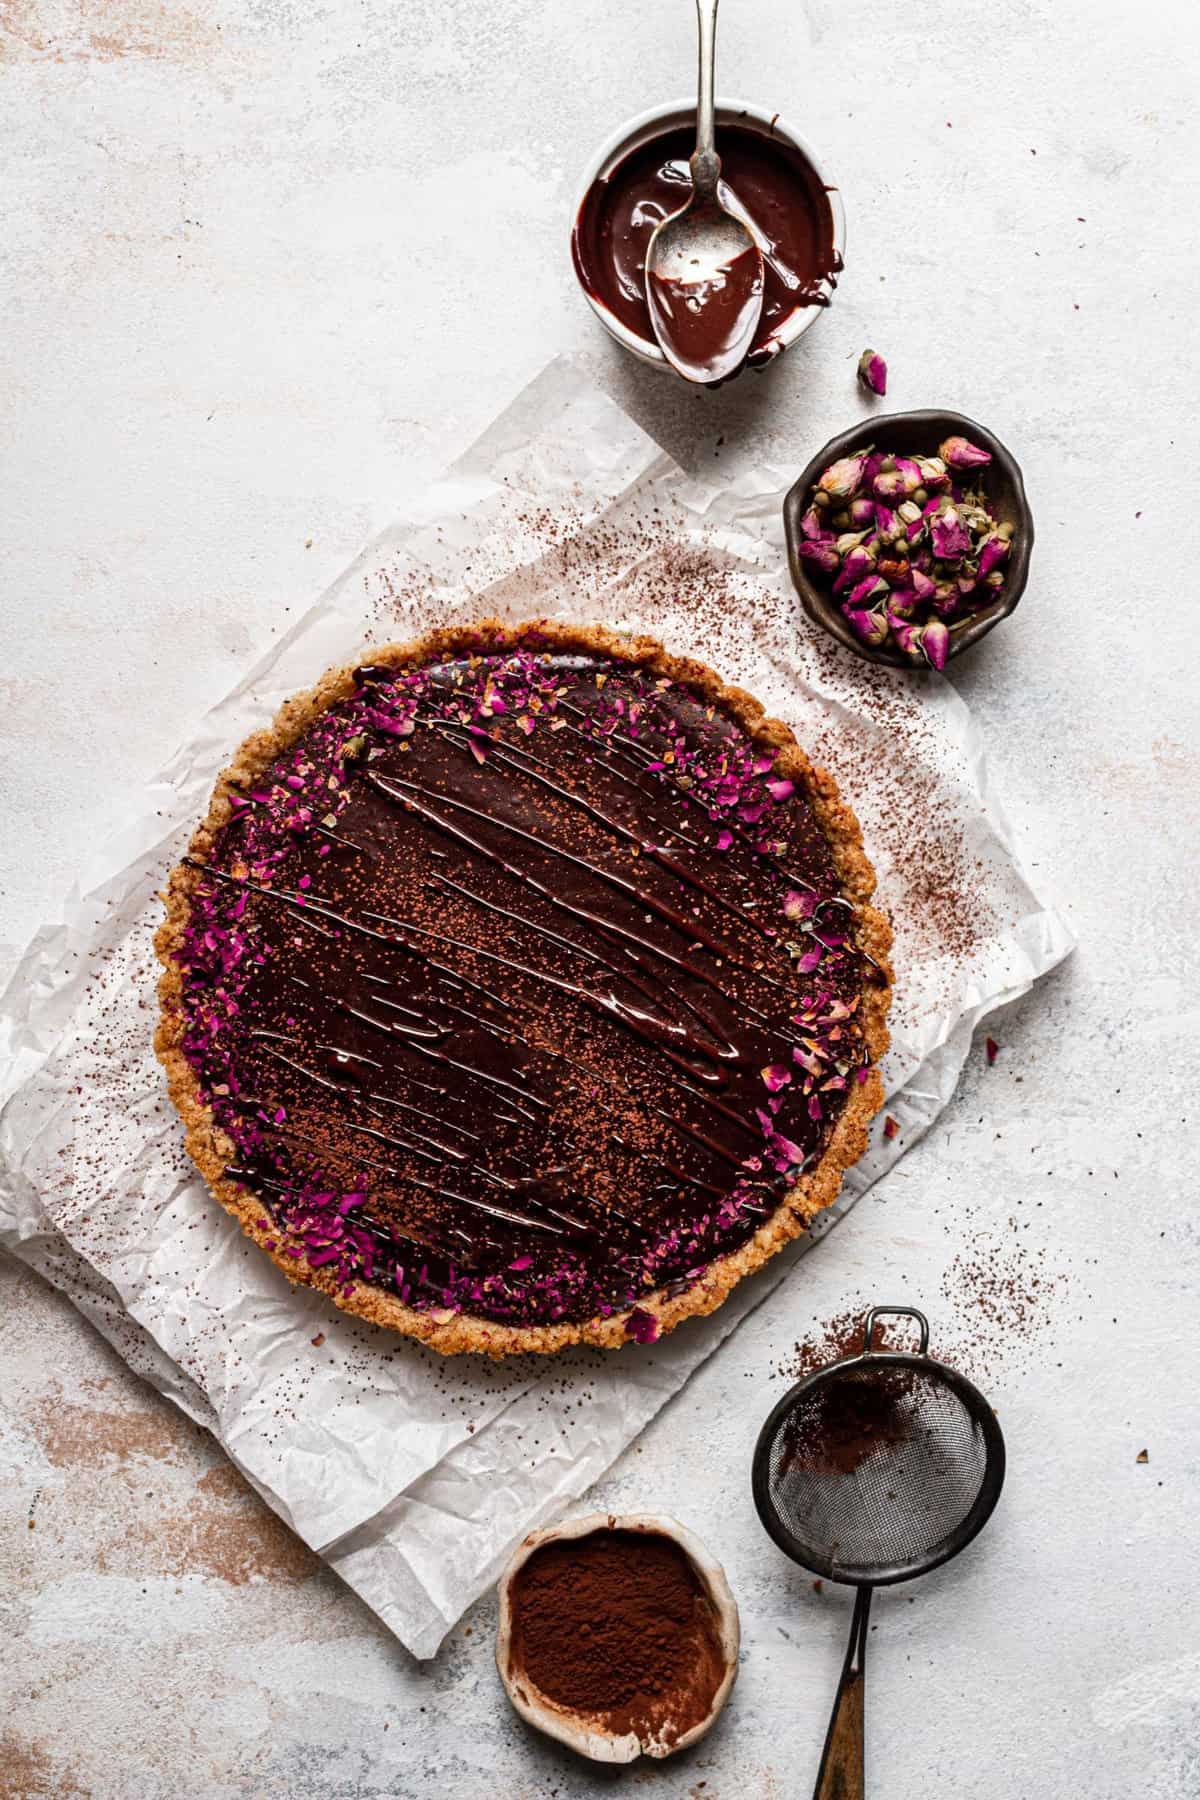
{"x":617,"y":1626}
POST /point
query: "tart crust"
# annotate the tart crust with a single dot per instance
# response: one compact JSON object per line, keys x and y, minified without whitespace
{"x":454,"y":1333}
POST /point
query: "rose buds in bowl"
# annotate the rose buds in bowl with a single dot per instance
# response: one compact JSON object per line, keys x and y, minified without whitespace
{"x":909,"y":537}
{"x":617,"y":1636}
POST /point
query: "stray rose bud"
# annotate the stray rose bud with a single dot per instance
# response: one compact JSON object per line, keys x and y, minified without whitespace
{"x":935,"y":642}
{"x":961,"y":453}
{"x":842,"y":479}
{"x":872,"y":371}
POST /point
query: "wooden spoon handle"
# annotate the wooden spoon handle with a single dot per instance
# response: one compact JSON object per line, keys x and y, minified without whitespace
{"x":841,"y":1775}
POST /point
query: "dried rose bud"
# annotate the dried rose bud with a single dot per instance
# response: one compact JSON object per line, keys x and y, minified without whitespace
{"x":950,"y":536}
{"x":902,"y":605}
{"x":872,"y":371}
{"x":821,"y":556}
{"x":994,"y":552}
{"x":867,"y":625}
{"x":812,"y":524}
{"x":921,"y":584}
{"x":993,"y":579}
{"x":934,"y":473}
{"x":850,"y":540}
{"x":862,"y":513}
{"x":842,"y":479}
{"x":872,"y":587}
{"x":908,"y":511}
{"x":885,"y":519}
{"x":907,"y":639}
{"x":947,"y":602}
{"x":935,"y":643}
{"x":961,"y":453}
{"x":899,"y":482}
{"x":859,"y":562}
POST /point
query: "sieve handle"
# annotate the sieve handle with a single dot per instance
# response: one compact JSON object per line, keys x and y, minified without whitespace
{"x":895,"y":1312}
{"x":841,"y":1775}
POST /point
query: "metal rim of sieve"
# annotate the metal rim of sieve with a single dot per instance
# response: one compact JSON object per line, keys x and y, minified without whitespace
{"x":980,"y":1412}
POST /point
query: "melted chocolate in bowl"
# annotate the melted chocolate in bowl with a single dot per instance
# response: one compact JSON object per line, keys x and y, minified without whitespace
{"x":521,"y":985}
{"x":771,"y":182}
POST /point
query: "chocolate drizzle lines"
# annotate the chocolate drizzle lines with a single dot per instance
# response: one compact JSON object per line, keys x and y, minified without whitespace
{"x":552,"y":1133}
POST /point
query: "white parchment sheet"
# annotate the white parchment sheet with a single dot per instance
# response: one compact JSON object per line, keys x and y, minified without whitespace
{"x":413,"y":1475}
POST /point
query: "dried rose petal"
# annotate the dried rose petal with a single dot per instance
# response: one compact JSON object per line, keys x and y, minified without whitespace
{"x":797,"y":905}
{"x":872,"y":371}
{"x":842,"y":479}
{"x":781,"y":789}
{"x":992,"y":1049}
{"x":776,"y":1076}
{"x":961,"y":453}
{"x":642,"y":1326}
{"x":890,"y":1127}
{"x":949,"y":535}
{"x":724,"y":840}
{"x":935,"y":642}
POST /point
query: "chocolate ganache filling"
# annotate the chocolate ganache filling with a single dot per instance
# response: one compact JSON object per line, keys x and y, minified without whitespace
{"x":522,"y":985}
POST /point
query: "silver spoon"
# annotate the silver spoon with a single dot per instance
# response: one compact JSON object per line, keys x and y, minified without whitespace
{"x":704,"y":271}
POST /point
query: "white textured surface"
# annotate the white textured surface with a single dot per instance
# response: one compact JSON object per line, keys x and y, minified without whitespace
{"x":261,"y":274}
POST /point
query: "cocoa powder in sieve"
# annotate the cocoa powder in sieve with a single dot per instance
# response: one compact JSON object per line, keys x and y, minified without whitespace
{"x":617,"y":1626}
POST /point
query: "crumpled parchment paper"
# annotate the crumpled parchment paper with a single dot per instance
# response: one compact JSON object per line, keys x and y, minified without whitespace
{"x":411,"y":1475}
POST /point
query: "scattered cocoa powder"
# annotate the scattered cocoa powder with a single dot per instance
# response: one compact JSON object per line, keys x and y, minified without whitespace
{"x":618,"y":1626}
{"x":846,"y":1422}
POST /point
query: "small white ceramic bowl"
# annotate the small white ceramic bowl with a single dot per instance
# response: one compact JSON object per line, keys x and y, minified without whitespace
{"x":683,"y":112}
{"x":572,"y":1729}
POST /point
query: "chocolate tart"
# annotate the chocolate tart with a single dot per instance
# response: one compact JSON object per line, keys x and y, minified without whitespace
{"x":521,"y":988}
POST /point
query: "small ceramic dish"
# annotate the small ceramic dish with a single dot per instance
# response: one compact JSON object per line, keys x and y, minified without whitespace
{"x":580,"y":1732}
{"x":647,"y":124}
{"x":910,"y":434}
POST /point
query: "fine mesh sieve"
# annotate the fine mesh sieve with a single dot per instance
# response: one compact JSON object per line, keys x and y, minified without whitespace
{"x":872,"y":1470}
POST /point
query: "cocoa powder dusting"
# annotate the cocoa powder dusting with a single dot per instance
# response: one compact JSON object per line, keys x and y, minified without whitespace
{"x":618,"y":1626}
{"x":847,"y":1422}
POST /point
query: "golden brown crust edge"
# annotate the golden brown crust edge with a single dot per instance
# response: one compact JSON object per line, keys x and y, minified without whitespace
{"x":453,"y":1333}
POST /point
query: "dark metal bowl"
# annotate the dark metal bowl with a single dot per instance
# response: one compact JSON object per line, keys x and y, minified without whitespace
{"x":915,"y":434}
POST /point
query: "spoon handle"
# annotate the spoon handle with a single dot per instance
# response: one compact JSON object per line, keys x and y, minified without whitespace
{"x":706,"y":164}
{"x":842,"y":1776}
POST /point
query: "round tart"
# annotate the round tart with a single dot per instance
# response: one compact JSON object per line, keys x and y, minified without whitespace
{"x":521,"y":988}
